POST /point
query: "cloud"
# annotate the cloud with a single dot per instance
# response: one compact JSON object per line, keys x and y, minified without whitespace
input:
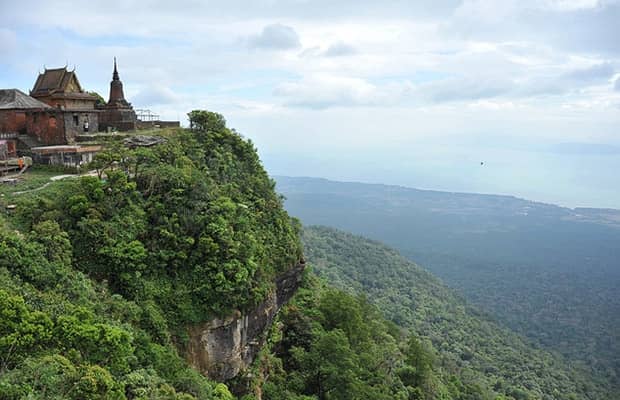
{"x":587,"y":26}
{"x":320,"y":92}
{"x":569,"y":82}
{"x":340,"y":49}
{"x":276,"y":37}
{"x":596,"y":73}
{"x":487,"y":55}
{"x":458,"y":89}
{"x":518,"y":87}
{"x":155,"y":95}
{"x":617,"y":84}
{"x":570,"y":5}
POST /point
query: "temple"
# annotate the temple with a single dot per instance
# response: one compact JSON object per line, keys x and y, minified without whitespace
{"x":61,"y":123}
{"x":61,"y":90}
{"x":117,"y":114}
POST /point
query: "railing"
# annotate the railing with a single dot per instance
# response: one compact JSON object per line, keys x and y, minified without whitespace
{"x":146,"y":115}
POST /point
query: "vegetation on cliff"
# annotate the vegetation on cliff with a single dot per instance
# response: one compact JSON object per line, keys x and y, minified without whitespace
{"x":330,"y":344}
{"x":100,"y":275}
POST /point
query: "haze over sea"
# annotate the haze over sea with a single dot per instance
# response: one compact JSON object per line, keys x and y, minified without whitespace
{"x":566,"y":174}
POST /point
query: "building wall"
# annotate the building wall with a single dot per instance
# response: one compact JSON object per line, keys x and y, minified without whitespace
{"x":67,"y":159}
{"x":119,"y":119}
{"x":158,"y":124}
{"x":55,"y":103}
{"x":67,"y":104}
{"x":46,"y":126}
{"x":79,"y":104}
{"x":79,"y":122}
{"x":12,"y":121}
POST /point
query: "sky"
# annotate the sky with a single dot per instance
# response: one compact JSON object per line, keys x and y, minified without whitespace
{"x":516,"y":97}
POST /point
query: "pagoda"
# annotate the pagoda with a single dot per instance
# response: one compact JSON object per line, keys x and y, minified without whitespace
{"x":117,"y":113}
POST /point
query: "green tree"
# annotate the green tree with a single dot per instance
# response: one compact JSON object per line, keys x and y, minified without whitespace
{"x":329,"y":367}
{"x":21,"y":330}
{"x":419,"y":358}
{"x":96,"y":383}
{"x":206,"y":121}
{"x":54,"y":240}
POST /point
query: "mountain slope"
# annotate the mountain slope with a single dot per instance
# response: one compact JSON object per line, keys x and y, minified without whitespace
{"x":467,"y":342}
{"x":547,"y":272}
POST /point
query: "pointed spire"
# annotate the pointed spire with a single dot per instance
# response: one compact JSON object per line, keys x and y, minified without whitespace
{"x":115,"y":74}
{"x":116,"y":88}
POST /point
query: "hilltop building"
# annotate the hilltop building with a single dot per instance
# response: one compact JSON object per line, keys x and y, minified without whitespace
{"x":49,"y":123}
{"x":117,"y":114}
{"x":24,"y":117}
{"x":61,"y":90}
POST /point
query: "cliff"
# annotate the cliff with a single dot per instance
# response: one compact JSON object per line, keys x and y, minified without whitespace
{"x":177,"y":233}
{"x":221,"y":348}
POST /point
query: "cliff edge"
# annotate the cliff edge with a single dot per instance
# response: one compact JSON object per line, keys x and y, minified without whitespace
{"x":221,"y":348}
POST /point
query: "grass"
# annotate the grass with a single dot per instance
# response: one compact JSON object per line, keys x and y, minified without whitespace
{"x":24,"y":193}
{"x":33,"y":178}
{"x":37,"y":176}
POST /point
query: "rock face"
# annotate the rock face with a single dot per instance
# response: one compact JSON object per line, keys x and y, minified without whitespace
{"x":221,"y":348}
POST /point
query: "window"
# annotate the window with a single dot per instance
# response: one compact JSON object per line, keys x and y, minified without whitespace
{"x":75,"y":120}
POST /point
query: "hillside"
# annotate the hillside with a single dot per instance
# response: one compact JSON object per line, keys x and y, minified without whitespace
{"x":468,"y":343}
{"x":331,"y":344}
{"x":547,"y":272}
{"x":104,"y":279}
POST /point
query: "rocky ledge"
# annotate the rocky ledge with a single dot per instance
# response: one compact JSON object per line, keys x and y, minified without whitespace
{"x":221,"y":348}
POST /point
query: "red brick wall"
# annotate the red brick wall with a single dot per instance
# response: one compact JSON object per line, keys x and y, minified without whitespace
{"x":12,"y":121}
{"x":47,"y":126}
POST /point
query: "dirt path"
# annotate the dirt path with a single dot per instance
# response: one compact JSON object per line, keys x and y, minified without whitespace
{"x":52,"y":180}
{"x":32,"y":190}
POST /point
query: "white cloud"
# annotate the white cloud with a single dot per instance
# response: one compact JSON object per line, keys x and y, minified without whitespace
{"x":340,"y":49}
{"x":455,"y":89}
{"x":276,"y":37}
{"x":155,"y":95}
{"x":327,"y":91}
{"x":572,"y":5}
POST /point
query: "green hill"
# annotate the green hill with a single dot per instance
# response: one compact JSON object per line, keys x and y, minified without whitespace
{"x":468,"y":343}
{"x":549,"y":273}
{"x":330,"y":344}
{"x":101,"y":275}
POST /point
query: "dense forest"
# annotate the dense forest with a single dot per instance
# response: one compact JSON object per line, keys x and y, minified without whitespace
{"x":100,"y":275}
{"x":547,"y":272}
{"x":466,"y":342}
{"x":331,"y":344}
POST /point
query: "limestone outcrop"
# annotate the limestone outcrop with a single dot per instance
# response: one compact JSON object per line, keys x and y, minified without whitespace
{"x":221,"y":348}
